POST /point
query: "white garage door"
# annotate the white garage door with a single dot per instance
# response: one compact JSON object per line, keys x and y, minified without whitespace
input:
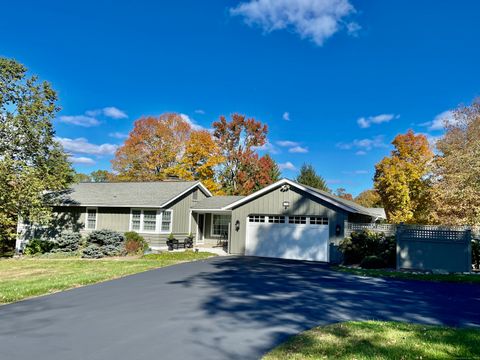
{"x":288,"y":237}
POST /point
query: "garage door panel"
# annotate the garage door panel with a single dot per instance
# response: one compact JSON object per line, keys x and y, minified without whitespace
{"x":288,"y":241}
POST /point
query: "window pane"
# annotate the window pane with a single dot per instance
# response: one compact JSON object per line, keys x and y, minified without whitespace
{"x":166,"y":220}
{"x":91,"y":218}
{"x":220,"y":225}
{"x":149,"y":220}
{"x":136,"y":219}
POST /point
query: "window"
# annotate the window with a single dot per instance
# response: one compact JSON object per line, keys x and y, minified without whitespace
{"x":274,"y":219}
{"x":91,"y":218}
{"x":317,"y":220}
{"x":151,"y":221}
{"x":297,"y":219}
{"x":256,"y":218}
{"x":220,"y":225}
{"x":167,"y":221}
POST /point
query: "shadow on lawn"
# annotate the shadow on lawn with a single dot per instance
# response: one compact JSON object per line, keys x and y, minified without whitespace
{"x":286,"y":297}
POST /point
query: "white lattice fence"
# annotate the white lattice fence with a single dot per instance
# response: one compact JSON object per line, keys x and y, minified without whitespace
{"x":387,"y":229}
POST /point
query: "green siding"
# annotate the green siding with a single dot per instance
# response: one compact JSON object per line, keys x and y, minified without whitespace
{"x":271,"y":203}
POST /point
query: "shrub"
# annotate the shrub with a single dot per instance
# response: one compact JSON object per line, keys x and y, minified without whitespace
{"x":135,"y":243}
{"x":476,"y":253}
{"x":106,"y":237}
{"x":368,"y":243}
{"x":93,"y":252}
{"x":67,"y":241}
{"x":372,"y":262}
{"x":38,"y":246}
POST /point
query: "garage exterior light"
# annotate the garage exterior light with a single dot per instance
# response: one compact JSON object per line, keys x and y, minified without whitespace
{"x":286,"y":204}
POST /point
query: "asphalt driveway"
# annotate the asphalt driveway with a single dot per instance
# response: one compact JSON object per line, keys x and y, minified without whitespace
{"x":222,"y":308}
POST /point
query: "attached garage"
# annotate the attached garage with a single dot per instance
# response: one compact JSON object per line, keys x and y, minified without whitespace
{"x":288,"y":237}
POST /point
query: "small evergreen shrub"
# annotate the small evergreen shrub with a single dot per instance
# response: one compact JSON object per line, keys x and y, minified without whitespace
{"x":372,"y":262}
{"x":106,"y":237}
{"x":38,"y":246}
{"x":134,"y":243}
{"x":111,"y":250}
{"x":368,"y":243}
{"x":93,"y":252}
{"x":67,"y":241}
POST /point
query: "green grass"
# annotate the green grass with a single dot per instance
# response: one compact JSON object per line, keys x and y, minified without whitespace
{"x":27,"y":277}
{"x":459,"y":278}
{"x":380,"y":340}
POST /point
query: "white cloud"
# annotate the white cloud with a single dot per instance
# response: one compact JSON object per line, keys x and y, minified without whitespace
{"x":287,"y":143}
{"x":361,"y":152}
{"x":298,"y":150}
{"x":365,"y":122}
{"x":268,"y":147}
{"x":199,"y":111}
{"x":316,"y":20}
{"x":192,"y":122}
{"x":114,"y":113}
{"x":439,"y":122}
{"x":286,"y":116}
{"x":363,"y":144}
{"x":355,"y":172}
{"x":82,"y":146}
{"x":80,"y":120}
{"x":287,"y":166}
{"x":118,"y":135}
{"x":82,"y":160}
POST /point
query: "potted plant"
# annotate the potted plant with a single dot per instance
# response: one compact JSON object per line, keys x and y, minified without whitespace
{"x":172,"y":242}
{"x":189,"y":241}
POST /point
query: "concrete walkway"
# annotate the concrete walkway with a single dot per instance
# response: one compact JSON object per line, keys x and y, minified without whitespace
{"x":221,"y":308}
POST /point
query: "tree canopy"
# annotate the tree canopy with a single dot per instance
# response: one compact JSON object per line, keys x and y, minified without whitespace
{"x":369,"y":199}
{"x":32,"y":162}
{"x":308,"y":176}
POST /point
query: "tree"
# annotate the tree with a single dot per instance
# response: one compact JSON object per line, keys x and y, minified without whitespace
{"x":457,"y":169}
{"x":256,"y":173}
{"x":101,"y":176}
{"x":153,"y":149}
{"x":342,"y":193}
{"x":237,"y":140}
{"x":79,"y":177}
{"x":402,"y":179}
{"x":369,"y":199}
{"x":308,"y":176}
{"x":200,"y":159}
{"x":32,"y":163}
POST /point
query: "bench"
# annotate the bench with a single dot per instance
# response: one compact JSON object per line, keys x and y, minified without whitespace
{"x":174,"y":244}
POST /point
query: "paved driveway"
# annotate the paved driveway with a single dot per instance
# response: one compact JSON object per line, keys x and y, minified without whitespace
{"x":222,"y":308}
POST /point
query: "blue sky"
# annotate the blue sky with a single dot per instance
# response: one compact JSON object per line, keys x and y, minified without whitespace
{"x":335,"y":80}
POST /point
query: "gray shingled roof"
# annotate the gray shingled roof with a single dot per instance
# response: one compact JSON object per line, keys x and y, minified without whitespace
{"x":131,"y":194}
{"x":216,"y":202}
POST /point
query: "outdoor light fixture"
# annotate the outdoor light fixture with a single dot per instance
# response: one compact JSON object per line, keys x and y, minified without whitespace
{"x":237,"y":225}
{"x":286,"y":204}
{"x":337,"y":229}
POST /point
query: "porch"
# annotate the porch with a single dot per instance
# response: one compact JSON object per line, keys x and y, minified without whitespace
{"x":211,"y":229}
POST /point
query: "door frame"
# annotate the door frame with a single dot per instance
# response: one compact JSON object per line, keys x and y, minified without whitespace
{"x":202,"y":240}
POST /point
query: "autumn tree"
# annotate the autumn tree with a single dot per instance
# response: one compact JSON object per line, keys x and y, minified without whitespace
{"x":457,"y":168}
{"x":200,"y":159}
{"x":153,"y":149}
{"x":101,"y":176}
{"x":81,"y":177}
{"x":237,"y":140}
{"x":256,"y":173}
{"x":32,"y":162}
{"x":308,"y":176}
{"x":369,"y":199}
{"x":342,"y":193}
{"x":402,"y":179}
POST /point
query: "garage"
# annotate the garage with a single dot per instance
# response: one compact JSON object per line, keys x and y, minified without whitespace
{"x":288,"y":237}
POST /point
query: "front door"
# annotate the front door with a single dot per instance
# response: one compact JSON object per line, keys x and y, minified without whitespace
{"x":200,"y":227}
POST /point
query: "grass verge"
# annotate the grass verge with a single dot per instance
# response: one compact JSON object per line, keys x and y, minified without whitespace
{"x":459,"y":278}
{"x":380,"y":340}
{"x":27,"y":277}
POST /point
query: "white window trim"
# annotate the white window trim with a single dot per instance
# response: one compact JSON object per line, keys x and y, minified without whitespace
{"x":86,"y":218}
{"x":158,"y":221}
{"x":211,"y":226}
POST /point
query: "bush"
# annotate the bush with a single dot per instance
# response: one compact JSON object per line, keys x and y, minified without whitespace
{"x":67,"y":241}
{"x":106,"y":237}
{"x":368,"y":243}
{"x":38,"y":246}
{"x":134,"y":243}
{"x":476,"y":253}
{"x":93,"y":252}
{"x":372,"y":262}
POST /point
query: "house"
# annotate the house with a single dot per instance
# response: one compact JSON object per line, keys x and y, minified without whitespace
{"x":285,"y":219}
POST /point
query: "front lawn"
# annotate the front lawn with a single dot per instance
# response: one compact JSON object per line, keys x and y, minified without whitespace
{"x":461,"y":278}
{"x":27,"y":277}
{"x":380,"y":340}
